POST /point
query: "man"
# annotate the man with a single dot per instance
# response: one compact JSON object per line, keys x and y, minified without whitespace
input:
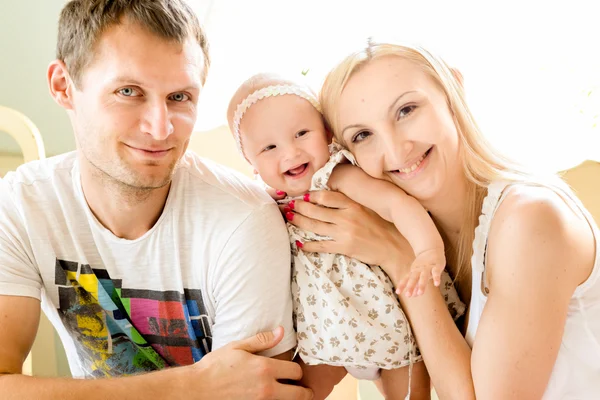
{"x":143,"y":256}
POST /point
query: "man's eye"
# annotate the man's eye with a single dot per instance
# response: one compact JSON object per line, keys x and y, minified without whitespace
{"x":180,"y":97}
{"x":129,"y":92}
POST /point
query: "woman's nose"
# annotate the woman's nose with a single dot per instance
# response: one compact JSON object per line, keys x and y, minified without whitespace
{"x":396,"y":150}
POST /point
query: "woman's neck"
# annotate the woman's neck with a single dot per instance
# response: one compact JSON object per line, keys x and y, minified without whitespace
{"x":449,"y":210}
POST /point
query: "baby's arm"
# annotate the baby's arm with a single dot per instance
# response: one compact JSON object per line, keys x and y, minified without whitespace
{"x":407,"y":214}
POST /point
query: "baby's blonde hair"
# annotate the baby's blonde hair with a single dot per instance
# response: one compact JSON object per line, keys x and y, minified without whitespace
{"x":481,"y":162}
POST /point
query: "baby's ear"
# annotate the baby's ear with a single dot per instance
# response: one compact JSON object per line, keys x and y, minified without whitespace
{"x":458,"y":76}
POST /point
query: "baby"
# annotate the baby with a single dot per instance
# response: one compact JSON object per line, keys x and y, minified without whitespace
{"x":347,"y":316}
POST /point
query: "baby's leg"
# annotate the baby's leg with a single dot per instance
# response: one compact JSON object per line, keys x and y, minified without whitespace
{"x":394,"y":383}
{"x":320,"y":378}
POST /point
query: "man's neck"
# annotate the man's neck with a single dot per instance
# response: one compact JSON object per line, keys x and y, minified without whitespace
{"x":126,"y":211}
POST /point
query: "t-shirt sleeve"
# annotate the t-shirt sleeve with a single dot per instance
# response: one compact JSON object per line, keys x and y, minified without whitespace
{"x":251,"y":282}
{"x":18,"y":275}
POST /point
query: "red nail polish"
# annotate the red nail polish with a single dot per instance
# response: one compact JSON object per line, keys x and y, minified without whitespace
{"x":292,"y":204}
{"x":307,"y":197}
{"x":289,"y":216}
{"x":286,"y":209}
{"x":280,"y":192}
{"x":299,"y":244}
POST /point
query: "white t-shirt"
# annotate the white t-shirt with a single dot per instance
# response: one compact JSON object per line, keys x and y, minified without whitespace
{"x":214,"y":268}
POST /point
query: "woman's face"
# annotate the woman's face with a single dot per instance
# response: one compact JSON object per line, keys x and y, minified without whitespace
{"x":397,"y":123}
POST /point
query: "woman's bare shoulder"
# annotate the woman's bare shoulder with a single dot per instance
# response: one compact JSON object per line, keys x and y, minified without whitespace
{"x":536,"y":228}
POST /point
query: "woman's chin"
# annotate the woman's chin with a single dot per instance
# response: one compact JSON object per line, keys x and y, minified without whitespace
{"x":424,"y":189}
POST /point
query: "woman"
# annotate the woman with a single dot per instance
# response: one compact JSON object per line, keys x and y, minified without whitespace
{"x":522,"y":248}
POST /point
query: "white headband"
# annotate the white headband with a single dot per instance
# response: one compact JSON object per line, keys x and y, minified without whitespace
{"x":269,"y":91}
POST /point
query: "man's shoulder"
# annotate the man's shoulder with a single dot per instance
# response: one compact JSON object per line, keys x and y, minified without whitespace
{"x":34,"y":188}
{"x":37,"y":171}
{"x":216,"y":181}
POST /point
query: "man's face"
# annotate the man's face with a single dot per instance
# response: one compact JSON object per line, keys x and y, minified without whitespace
{"x":134,"y":110}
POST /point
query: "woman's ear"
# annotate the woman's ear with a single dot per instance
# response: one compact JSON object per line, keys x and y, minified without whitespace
{"x":458,"y":76}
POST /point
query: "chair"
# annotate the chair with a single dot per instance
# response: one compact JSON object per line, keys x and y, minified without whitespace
{"x":26,"y":134}
{"x":28,"y":137}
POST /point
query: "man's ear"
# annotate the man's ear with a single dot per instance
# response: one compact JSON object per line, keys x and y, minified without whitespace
{"x":458,"y":76}
{"x":60,"y":84}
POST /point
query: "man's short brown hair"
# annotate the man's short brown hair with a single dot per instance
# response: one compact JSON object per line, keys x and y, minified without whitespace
{"x":82,"y":22}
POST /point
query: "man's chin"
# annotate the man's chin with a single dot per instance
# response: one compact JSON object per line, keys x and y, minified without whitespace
{"x":138,"y":180}
{"x":148,"y":183}
{"x":148,"y":178}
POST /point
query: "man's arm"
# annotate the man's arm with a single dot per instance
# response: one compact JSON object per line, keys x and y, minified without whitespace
{"x":19,"y":319}
{"x":251,"y":282}
{"x":212,"y":378}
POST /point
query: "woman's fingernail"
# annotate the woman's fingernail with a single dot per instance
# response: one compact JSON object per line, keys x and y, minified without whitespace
{"x":299,"y":244}
{"x":307,"y":197}
{"x":286,"y":209}
{"x":280,"y":192}
{"x":289,"y":216}
{"x":292,"y":204}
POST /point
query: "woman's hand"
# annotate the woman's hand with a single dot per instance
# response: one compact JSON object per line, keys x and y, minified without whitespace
{"x":355,"y":231}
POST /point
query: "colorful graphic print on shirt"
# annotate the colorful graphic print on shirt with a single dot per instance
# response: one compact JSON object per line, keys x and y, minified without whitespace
{"x":120,"y":331}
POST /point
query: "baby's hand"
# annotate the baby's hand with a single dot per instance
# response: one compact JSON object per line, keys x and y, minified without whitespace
{"x":430,"y":263}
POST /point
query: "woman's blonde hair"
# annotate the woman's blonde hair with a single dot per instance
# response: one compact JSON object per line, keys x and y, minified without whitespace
{"x":481,"y":163}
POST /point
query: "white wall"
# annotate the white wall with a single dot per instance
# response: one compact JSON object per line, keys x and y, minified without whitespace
{"x":28,"y":40}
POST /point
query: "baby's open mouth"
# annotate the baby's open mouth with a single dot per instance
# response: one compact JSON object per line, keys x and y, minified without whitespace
{"x":297,"y":170}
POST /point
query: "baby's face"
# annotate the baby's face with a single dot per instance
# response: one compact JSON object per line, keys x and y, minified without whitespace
{"x":285,"y":141}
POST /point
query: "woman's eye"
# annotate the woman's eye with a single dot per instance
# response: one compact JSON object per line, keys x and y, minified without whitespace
{"x":179,"y":97}
{"x":301,"y":133}
{"x":129,"y":92}
{"x":360,"y":136}
{"x":405,"y":111}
